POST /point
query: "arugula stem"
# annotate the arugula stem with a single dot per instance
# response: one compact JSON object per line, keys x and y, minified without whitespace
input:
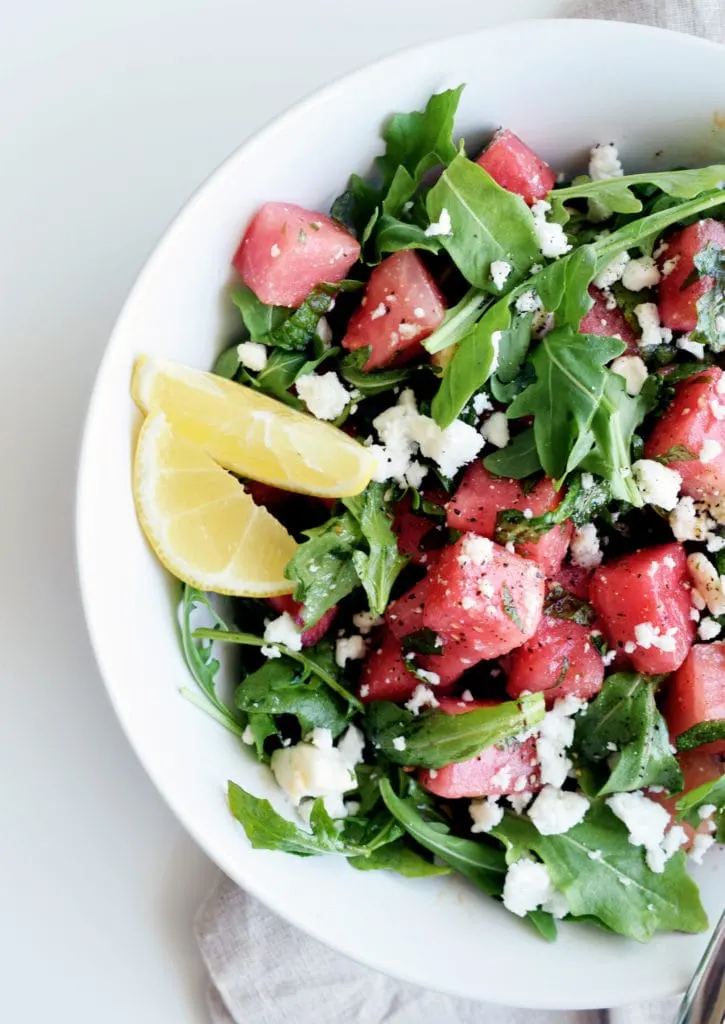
{"x":249,"y":640}
{"x":457,"y":321}
{"x":212,"y":710}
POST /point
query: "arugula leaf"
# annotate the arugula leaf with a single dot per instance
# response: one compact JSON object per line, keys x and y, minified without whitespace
{"x":508,"y":379}
{"x":423,"y":641}
{"x":379,"y":566}
{"x":604,"y":876}
{"x":268,"y":830}
{"x":434,"y":739}
{"x":356,"y":205}
{"x":582,"y":413}
{"x":561,"y":604}
{"x":263,"y":727}
{"x":278,"y":688}
{"x":481,"y":864}
{"x":563,"y":286}
{"x":712,"y":792}
{"x":420,"y":140}
{"x":487,"y":223}
{"x":394,"y":235}
{"x":457,"y":322}
{"x":518,"y":459}
{"x":703,"y":732}
{"x":322,"y":568}
{"x":510,"y":608}
{"x":295,"y":332}
{"x":283,"y":369}
{"x":619,"y":196}
{"x":370,"y":382}
{"x":400,"y":857}
{"x":227,"y":363}
{"x":580,"y":504}
{"x":259,"y":318}
{"x":314,"y":660}
{"x":202,"y":665}
{"x":624,"y":715}
{"x":710,"y":263}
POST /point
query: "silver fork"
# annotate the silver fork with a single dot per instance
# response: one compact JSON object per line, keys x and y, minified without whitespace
{"x":704,"y":1001}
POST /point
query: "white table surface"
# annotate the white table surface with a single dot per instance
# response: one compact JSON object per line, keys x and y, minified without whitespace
{"x":111,"y":112}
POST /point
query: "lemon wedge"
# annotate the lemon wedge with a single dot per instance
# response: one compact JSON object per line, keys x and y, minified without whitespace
{"x":252,"y":434}
{"x":201,"y":523}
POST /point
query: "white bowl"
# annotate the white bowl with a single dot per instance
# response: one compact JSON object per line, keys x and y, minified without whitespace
{"x":562,"y":85}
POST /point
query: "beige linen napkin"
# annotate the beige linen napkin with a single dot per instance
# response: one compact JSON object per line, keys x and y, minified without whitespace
{"x":264,"y":971}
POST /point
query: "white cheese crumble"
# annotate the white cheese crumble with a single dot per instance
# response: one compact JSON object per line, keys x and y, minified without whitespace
{"x":657,"y":484}
{"x":648,"y":317}
{"x":252,"y":355}
{"x":379,"y":311}
{"x":701,"y":844}
{"x":528,"y":886}
{"x":349,"y":648}
{"x":500,"y":271}
{"x":669,"y":265}
{"x":707,"y":582}
{"x":552,"y":237}
{"x":323,"y":394}
{"x":432,"y":678}
{"x":646,"y":822}
{"x":646,"y":635}
{"x":695,"y":348}
{"x":613,"y":271}
{"x":285,"y":631}
{"x":604,"y":162}
{"x":585,"y":549}
{"x":324,"y":332}
{"x":708,"y":629}
{"x":496,"y":429}
{"x":248,"y":735}
{"x":316,"y":768}
{"x":422,"y":697}
{"x":442,"y":226}
{"x":706,"y":811}
{"x":641,"y":273}
{"x":475,"y":550}
{"x":555,"y":737}
{"x":399,"y":743}
{"x":529,"y":302}
{"x":275,"y":251}
{"x":710,"y":450}
{"x":486,"y":814}
{"x":482,"y":403}
{"x":690,"y":522}
{"x":634,"y":371}
{"x":555,"y":811}
{"x":403,"y":431}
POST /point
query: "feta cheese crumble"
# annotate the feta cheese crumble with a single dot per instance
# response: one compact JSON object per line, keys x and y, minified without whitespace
{"x":349,"y":648}
{"x":646,"y":635}
{"x":496,"y":430}
{"x":700,"y":845}
{"x":708,"y":629}
{"x":475,"y":550}
{"x":529,"y":302}
{"x":710,"y":450}
{"x":613,"y":271}
{"x":365,"y":622}
{"x":528,"y":886}
{"x":399,"y":743}
{"x":316,"y":768}
{"x":500,"y":271}
{"x":482,"y":403}
{"x":422,"y":697}
{"x":555,"y":737}
{"x":323,"y":394}
{"x":555,"y":811}
{"x":653,"y":334}
{"x":707,"y":582}
{"x":285,"y":631}
{"x":695,"y":348}
{"x":646,"y":822}
{"x":604,"y":162}
{"x":585,"y":549}
{"x":486,"y":814}
{"x":634,"y":371}
{"x":657,"y":484}
{"x":252,"y":355}
{"x":552,"y":237}
{"x":641,"y":273}
{"x":441,"y":227}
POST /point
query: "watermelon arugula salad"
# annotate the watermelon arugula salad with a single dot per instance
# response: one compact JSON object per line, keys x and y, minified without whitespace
{"x":506,"y":657}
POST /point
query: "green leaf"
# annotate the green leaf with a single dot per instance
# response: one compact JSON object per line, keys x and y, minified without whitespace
{"x":618,"y":193}
{"x":581,"y":409}
{"x":561,"y":604}
{"x":227,"y":363}
{"x":283,"y":369}
{"x":457,"y":322}
{"x":510,"y":377}
{"x":677,"y":453}
{"x":481,"y":864}
{"x":394,"y":235}
{"x":370,"y":383}
{"x":518,"y":459}
{"x":259,"y":318}
{"x":262,"y":726}
{"x":487,"y":223}
{"x":710,"y":329}
{"x":315,"y":660}
{"x":379,"y":566}
{"x":510,"y":608}
{"x":604,"y":876}
{"x":268,"y":830}
{"x":423,"y":641}
{"x":420,"y":140}
{"x":401,"y":858}
{"x":296,"y":332}
{"x":473,"y":362}
{"x":434,"y":739}
{"x":563,"y":286}
{"x":624,"y":716}
{"x":322,"y":568}
{"x":580,"y":504}
{"x":712,"y":792}
{"x":703,"y":732}
{"x":279,"y":688}
{"x":198,"y":655}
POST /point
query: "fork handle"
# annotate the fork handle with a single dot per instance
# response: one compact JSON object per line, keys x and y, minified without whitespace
{"x":704,"y":1001}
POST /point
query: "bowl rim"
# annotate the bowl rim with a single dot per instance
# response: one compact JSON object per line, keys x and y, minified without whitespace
{"x":274,"y":126}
